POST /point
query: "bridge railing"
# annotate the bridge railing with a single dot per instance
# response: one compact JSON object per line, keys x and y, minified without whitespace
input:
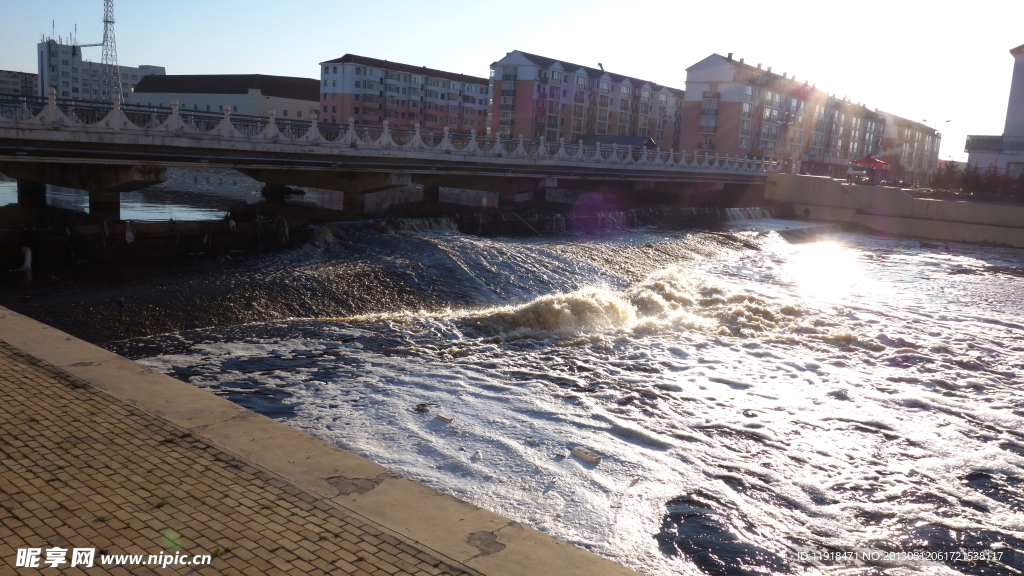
{"x":88,"y":116}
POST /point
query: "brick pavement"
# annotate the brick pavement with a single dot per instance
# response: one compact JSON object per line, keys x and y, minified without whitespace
{"x":79,"y":468}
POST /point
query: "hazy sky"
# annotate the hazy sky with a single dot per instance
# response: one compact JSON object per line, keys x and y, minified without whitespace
{"x":920,"y":60}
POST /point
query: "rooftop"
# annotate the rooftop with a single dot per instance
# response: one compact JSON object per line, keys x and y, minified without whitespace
{"x":545,"y":62}
{"x":277,"y":86}
{"x":398,"y":67}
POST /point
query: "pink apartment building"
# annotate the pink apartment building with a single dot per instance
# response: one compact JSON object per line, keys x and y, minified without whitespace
{"x":540,"y":97}
{"x":737,"y":109}
{"x":371,"y":91}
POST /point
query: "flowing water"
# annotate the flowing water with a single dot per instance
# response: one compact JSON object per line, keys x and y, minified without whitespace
{"x":188,"y":194}
{"x":750,"y":399}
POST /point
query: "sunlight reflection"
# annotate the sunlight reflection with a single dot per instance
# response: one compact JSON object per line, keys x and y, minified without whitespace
{"x":825,"y":270}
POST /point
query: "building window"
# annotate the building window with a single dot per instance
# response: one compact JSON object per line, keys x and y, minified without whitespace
{"x":234,"y":108}
{"x":285,"y":112}
{"x":335,"y":71}
{"x":333,"y":109}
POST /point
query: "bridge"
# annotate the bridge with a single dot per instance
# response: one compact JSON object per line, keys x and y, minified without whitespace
{"x":106,"y":149}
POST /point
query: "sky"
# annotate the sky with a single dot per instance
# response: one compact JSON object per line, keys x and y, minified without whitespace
{"x":920,"y":60}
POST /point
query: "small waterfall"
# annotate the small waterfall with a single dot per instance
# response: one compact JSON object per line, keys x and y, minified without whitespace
{"x":755,"y":213}
{"x":421,"y":225}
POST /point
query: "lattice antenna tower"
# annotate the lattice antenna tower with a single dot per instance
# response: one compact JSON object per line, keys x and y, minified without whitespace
{"x":111,"y":71}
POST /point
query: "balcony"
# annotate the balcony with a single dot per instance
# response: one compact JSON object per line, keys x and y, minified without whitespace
{"x":710,"y":94}
{"x":508,"y":91}
{"x":708,"y":147}
{"x":542,"y":80}
{"x":708,"y":129}
{"x":709,"y":111}
{"x":508,"y":106}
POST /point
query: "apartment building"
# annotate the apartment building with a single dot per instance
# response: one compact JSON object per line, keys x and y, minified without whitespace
{"x":250,"y":94}
{"x":911,"y":149}
{"x":62,"y":67}
{"x":540,"y":97}
{"x":1005,"y":152}
{"x":371,"y":91}
{"x":744,"y":110}
{"x":18,"y":83}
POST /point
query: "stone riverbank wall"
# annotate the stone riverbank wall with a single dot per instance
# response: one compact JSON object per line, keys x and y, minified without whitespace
{"x":894,"y":211}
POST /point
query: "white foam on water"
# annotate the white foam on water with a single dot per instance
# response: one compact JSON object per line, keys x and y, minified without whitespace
{"x":847,"y":412}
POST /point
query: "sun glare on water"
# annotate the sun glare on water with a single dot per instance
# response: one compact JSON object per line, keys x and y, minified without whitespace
{"x":825,"y":270}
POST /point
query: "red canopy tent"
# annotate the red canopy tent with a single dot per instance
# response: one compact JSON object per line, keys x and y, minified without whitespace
{"x":871,"y":162}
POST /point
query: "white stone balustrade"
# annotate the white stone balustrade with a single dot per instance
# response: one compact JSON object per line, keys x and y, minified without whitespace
{"x":181,"y":128}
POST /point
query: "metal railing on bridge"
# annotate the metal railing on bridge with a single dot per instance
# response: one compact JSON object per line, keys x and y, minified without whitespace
{"x":86,"y":117}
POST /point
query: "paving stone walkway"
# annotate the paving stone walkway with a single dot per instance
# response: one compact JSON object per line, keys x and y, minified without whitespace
{"x":79,"y":469}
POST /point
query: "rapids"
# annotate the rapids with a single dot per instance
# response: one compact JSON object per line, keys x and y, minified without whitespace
{"x":751,"y":399}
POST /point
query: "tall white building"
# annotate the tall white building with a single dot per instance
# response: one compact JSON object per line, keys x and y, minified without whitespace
{"x":1005,"y":152}
{"x":62,"y":67}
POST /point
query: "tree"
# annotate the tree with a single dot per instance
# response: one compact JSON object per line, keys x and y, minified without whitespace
{"x":948,"y":177}
{"x":991,"y":180}
{"x":970,"y":178}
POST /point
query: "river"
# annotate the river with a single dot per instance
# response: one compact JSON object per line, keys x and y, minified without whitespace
{"x":751,"y":399}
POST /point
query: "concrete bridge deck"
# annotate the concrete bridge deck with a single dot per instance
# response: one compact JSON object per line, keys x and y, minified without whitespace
{"x":121,"y":151}
{"x":95,"y":452}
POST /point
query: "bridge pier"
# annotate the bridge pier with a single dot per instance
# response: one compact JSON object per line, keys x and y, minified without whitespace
{"x":104,"y":182}
{"x":31,"y":194}
{"x":432,"y":194}
{"x":105,"y":205}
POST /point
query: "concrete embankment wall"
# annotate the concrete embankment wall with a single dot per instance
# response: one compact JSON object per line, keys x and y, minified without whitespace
{"x":894,"y":211}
